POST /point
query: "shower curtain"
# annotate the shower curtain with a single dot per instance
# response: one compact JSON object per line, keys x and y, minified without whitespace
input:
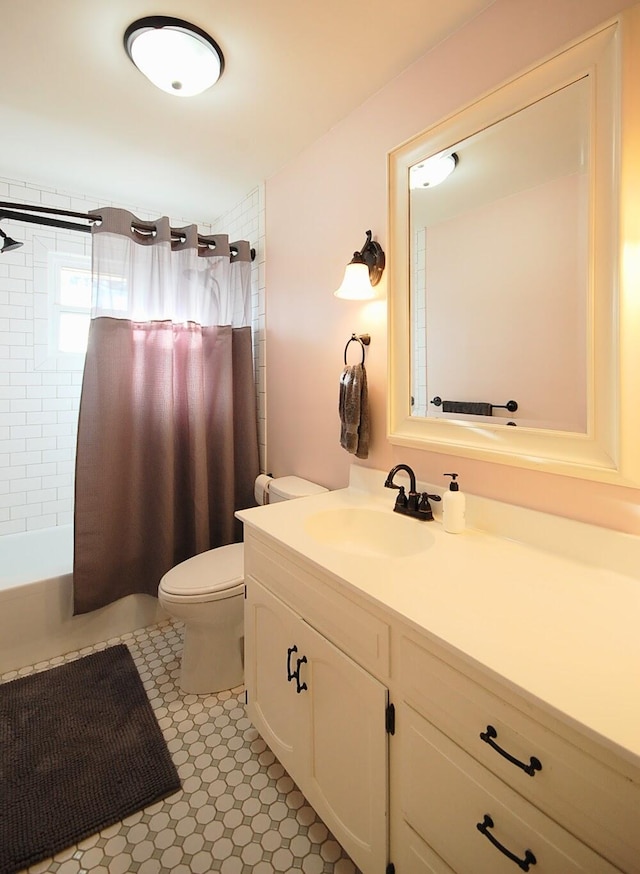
{"x":167,"y":432}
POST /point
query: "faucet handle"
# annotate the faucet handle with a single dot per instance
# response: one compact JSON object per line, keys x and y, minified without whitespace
{"x":424,"y":506}
{"x":401,"y":500}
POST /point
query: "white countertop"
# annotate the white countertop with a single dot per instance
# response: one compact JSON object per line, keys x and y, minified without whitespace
{"x":561,"y":630}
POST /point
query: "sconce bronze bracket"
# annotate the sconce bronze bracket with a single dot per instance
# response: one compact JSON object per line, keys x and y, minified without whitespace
{"x":372,"y":255}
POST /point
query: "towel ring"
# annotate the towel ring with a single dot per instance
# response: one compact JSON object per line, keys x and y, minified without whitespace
{"x":363,"y":339}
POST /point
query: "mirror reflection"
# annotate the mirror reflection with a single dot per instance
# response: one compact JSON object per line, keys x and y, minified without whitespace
{"x":499,"y":270}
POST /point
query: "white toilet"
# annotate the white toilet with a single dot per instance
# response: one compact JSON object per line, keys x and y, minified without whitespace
{"x":206,"y":592}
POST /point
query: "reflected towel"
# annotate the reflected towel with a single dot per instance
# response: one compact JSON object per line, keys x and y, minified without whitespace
{"x":353,"y":407}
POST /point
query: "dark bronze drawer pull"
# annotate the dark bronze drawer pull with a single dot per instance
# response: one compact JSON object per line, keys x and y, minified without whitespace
{"x":300,"y":687}
{"x":530,"y":769}
{"x":524,"y":864}
{"x":290,"y":674}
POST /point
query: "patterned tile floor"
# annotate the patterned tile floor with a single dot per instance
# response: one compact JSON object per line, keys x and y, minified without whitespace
{"x":238,"y":810}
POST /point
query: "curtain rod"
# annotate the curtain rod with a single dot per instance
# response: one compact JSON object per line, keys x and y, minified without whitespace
{"x":60,"y":223}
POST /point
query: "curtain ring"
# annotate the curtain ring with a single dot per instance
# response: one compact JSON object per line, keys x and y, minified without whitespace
{"x":363,"y":339}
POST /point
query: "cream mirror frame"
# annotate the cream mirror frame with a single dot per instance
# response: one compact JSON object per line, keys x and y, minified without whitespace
{"x":609,"y":451}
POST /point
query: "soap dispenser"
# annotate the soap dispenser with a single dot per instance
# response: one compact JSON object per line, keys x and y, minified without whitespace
{"x":453,"y":507}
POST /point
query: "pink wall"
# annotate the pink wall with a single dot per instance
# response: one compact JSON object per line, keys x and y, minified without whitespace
{"x":317,"y":210}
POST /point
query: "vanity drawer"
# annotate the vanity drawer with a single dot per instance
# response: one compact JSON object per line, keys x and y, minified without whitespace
{"x":592,"y":800}
{"x":362,"y":635}
{"x":446,"y":795}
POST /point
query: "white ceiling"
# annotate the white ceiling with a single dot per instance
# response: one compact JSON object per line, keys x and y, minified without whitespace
{"x":75,"y":114}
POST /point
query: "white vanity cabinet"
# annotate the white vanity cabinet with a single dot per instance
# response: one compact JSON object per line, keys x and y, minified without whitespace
{"x":483,"y":773}
{"x":324,"y":718}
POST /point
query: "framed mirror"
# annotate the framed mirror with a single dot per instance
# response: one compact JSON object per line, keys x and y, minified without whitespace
{"x":512,"y":311}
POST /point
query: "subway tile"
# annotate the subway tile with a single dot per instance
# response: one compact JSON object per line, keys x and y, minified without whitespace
{"x":26,"y":511}
{"x":62,"y":378}
{"x":58,"y":430}
{"x":57,"y":481}
{"x":17,"y":445}
{"x":39,"y":522}
{"x":27,"y":406}
{"x":8,"y":419}
{"x":57,"y":404}
{"x":41,"y":443}
{"x":12,"y":499}
{"x":43,"y":470}
{"x":26,"y":431}
{"x":41,"y":418}
{"x":18,"y":459}
{"x":63,"y":506}
{"x":39,"y":495}
{"x":41,"y":391}
{"x":15,"y":526}
{"x":28,"y":484}
{"x":57,"y":455}
{"x":25,"y":378}
{"x":66,"y":441}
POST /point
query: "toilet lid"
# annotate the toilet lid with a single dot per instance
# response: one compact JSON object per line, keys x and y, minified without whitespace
{"x":217,"y":573}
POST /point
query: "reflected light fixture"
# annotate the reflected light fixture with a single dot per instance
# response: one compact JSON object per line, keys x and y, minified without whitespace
{"x":176,"y":56}
{"x":8,"y":244}
{"x":433,"y":171}
{"x":363,"y":272}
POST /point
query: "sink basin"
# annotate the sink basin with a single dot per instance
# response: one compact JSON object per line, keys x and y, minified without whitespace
{"x":363,"y":531}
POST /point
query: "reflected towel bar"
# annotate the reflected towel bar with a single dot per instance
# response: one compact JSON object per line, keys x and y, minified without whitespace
{"x":473,"y":408}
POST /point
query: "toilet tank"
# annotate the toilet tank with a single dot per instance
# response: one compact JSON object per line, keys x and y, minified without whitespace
{"x":284,"y":488}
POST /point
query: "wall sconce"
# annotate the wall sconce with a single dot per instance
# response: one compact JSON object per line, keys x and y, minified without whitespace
{"x":176,"y":56}
{"x":363,"y":272}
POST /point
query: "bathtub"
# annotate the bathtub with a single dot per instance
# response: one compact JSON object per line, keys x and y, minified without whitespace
{"x":36,"y":601}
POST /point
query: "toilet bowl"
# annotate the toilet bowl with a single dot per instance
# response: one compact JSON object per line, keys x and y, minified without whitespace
{"x":206,"y":593}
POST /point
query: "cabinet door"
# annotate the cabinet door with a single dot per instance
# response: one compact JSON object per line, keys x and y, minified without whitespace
{"x":323,"y":716}
{"x":347,"y":745}
{"x":270,"y":655}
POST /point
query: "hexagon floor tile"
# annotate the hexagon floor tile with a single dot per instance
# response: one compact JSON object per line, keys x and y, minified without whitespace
{"x":238,"y":810}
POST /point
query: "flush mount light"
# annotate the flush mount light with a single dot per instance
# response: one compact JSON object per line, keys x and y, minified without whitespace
{"x":176,"y":56}
{"x":433,"y":171}
{"x":363,"y":272}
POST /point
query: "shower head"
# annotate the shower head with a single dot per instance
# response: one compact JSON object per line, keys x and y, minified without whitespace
{"x":8,"y":244}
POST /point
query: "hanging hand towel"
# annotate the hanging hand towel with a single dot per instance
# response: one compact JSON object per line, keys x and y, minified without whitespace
{"x":353,"y":407}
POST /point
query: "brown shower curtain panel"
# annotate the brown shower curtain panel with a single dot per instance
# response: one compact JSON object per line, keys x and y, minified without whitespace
{"x":167,"y":451}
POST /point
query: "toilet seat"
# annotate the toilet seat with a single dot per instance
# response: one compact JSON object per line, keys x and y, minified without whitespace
{"x":205,"y":578}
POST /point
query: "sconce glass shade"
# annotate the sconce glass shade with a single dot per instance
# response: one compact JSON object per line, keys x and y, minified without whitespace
{"x":433,"y":171}
{"x":178,"y":57}
{"x":363,"y":272}
{"x":356,"y":284}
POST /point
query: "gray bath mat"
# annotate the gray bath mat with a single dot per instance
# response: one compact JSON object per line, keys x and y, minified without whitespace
{"x":80,"y":749}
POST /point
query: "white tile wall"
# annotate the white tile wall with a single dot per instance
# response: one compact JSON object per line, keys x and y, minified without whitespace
{"x":39,"y":395}
{"x":419,"y":339}
{"x":246,"y":221}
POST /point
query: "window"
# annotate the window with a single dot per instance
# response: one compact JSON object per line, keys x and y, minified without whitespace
{"x":70,"y":303}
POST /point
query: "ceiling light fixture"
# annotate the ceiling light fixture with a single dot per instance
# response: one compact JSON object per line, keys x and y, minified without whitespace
{"x":433,"y":171}
{"x":363,"y":272}
{"x":176,"y":56}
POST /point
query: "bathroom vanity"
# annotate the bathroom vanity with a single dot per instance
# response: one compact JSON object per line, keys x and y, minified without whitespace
{"x":452,"y":704}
